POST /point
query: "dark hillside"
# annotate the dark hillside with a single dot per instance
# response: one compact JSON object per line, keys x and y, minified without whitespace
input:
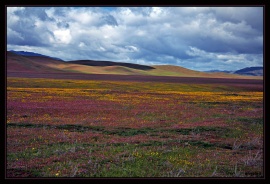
{"x":110,"y":63}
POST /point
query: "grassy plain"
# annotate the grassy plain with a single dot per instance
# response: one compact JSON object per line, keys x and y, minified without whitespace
{"x":84,"y":128}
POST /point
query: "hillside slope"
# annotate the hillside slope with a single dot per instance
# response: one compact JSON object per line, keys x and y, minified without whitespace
{"x":20,"y":63}
{"x":110,"y":63}
{"x":34,"y":64}
{"x":24,"y":53}
{"x":170,"y":70}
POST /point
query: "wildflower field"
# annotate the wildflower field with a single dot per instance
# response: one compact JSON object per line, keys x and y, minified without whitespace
{"x":87,"y":128}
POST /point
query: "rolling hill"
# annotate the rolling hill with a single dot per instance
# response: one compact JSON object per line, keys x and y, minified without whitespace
{"x":43,"y":64}
{"x":19,"y":63}
{"x":110,"y":63}
{"x":24,"y":53}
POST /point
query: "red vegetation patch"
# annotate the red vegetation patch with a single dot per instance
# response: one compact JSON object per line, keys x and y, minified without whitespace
{"x":81,"y":128}
{"x":18,"y":173}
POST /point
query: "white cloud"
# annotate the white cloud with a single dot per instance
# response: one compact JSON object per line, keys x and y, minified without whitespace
{"x":189,"y":36}
{"x":12,"y":10}
{"x":101,"y":49}
{"x":82,"y":17}
{"x":62,"y":36}
{"x":131,"y":48}
{"x":82,"y":44}
{"x":157,"y":12}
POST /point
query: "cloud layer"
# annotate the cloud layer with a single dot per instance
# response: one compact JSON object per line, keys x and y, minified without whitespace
{"x":200,"y":38}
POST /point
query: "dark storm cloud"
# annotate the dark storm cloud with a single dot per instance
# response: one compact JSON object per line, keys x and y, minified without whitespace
{"x":109,"y":19}
{"x":26,"y":33}
{"x":23,"y":27}
{"x":193,"y":37}
{"x":62,"y":25}
{"x":34,"y":12}
{"x":253,"y":16}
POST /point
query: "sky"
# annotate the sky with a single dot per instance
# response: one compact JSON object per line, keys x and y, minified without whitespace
{"x":197,"y":38}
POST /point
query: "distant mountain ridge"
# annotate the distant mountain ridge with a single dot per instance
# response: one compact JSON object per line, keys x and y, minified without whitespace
{"x":251,"y":71}
{"x":254,"y":71}
{"x":25,"y":53}
{"x":225,"y":71}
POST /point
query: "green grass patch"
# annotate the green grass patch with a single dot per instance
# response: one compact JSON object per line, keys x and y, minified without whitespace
{"x":129,"y":131}
{"x":69,"y":127}
{"x":197,"y":130}
{"x":250,"y":124}
{"x":249,"y":120}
